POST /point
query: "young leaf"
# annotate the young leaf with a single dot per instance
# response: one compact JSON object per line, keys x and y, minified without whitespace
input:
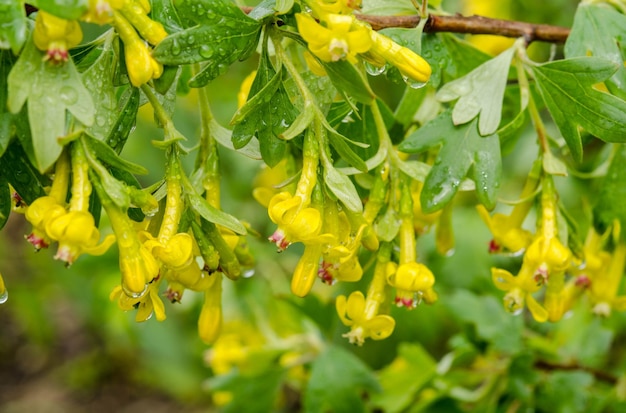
{"x":343,"y":188}
{"x":107,"y":155}
{"x":337,"y":381}
{"x":480,"y":92}
{"x":567,"y":89}
{"x":50,"y":91}
{"x":463,"y":150}
{"x":128,"y":107}
{"x":208,"y":212}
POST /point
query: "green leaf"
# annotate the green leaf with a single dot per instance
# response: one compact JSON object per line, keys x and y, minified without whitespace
{"x":404,"y":377}
{"x":251,"y":393}
{"x":463,"y":152}
{"x":340,"y":144}
{"x":164,"y":12}
{"x":492,"y":322}
{"x":567,"y":89}
{"x":222,"y":35}
{"x":97,"y":81}
{"x":107,"y":155}
{"x":349,"y":80}
{"x":388,"y":7}
{"x":598,"y":31}
{"x":208,"y":212}
{"x":565,"y":392}
{"x":610,"y":205}
{"x":127,"y":108}
{"x":51,"y":90}
{"x":65,"y":9}
{"x":5,"y":201}
{"x":13,"y":30}
{"x":267,"y":114}
{"x":337,"y":381}
{"x":480,"y":92}
{"x":343,"y":188}
{"x":223,"y":136}
{"x":18,"y":170}
{"x":6,"y":118}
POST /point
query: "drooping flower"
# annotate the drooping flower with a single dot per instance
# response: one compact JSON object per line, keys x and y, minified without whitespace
{"x":520,"y":291}
{"x":39,"y":213}
{"x":411,"y":281}
{"x":56,"y":36}
{"x":506,"y":230}
{"x":77,"y":234}
{"x":147,"y":304}
{"x":296,"y":222}
{"x":354,"y":313}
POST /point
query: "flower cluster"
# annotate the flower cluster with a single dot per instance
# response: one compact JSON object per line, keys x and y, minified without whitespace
{"x":333,"y":33}
{"x":549,"y":268}
{"x":55,"y":35}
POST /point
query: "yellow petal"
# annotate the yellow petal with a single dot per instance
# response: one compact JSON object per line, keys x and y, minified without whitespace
{"x":380,"y":327}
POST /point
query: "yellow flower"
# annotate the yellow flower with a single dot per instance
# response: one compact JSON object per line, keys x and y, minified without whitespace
{"x":323,"y":7}
{"x":146,"y":305}
{"x":411,"y":280}
{"x":352,"y":312}
{"x":340,"y":39}
{"x":604,"y":286}
{"x":296,"y":222}
{"x":306,"y":270}
{"x":506,"y":230}
{"x":210,"y":320}
{"x":101,"y":11}
{"x":3,"y":291}
{"x":547,"y":255}
{"x":56,"y":36}
{"x":410,"y":64}
{"x":77,"y":233}
{"x":340,"y":260}
{"x":39,"y":213}
{"x":519,"y":291}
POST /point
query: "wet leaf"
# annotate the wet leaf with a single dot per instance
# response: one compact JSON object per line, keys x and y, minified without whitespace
{"x":51,"y":90}
{"x":567,"y":89}
{"x":609,"y":206}
{"x":13,"y":30}
{"x":480,"y":93}
{"x":5,"y":201}
{"x":20,"y":173}
{"x":349,"y":80}
{"x":97,"y":80}
{"x":66,"y":9}
{"x":343,"y":188}
{"x":464,"y":151}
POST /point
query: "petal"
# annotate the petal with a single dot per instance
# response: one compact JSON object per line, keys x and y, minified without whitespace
{"x":539,"y":313}
{"x":341,"y":305}
{"x":380,"y":327}
{"x":356,"y":306}
{"x":157,"y":303}
{"x":619,"y":303}
{"x":503,"y":279}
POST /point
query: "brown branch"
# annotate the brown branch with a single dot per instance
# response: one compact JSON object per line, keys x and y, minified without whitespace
{"x":473,"y":25}
{"x":469,"y":25}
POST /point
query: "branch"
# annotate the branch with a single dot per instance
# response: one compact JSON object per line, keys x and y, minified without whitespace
{"x":469,"y":25}
{"x":473,"y":25}
{"x":598,"y":374}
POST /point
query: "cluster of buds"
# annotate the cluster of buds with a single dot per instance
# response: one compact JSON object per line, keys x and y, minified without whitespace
{"x":138,"y":32}
{"x":549,"y":268}
{"x":71,"y":225}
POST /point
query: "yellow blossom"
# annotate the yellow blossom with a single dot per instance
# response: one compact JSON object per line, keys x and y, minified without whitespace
{"x":306,"y":270}
{"x":244,"y":89}
{"x":77,"y":233}
{"x":146,"y":305}
{"x":323,"y":7}
{"x":3,"y":291}
{"x":604,"y":287}
{"x":39,"y":213}
{"x":340,"y":260}
{"x":411,"y":280}
{"x":410,"y":64}
{"x":296,"y":221}
{"x":519,"y":291}
{"x":340,"y":39}
{"x":352,"y":312}
{"x":101,"y":11}
{"x":506,"y":230}
{"x":56,"y":36}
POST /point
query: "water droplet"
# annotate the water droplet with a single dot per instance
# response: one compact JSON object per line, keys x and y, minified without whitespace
{"x":221,"y":51}
{"x":100,"y":120}
{"x":132,"y":294}
{"x":206,"y":51}
{"x":4,"y":297}
{"x":175,"y":49}
{"x":448,"y":253}
{"x":68,"y":95}
{"x":200,"y":10}
{"x":414,"y":84}
{"x":284,"y":123}
{"x":191,"y":40}
{"x":374,"y":70}
{"x":248,"y":273}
